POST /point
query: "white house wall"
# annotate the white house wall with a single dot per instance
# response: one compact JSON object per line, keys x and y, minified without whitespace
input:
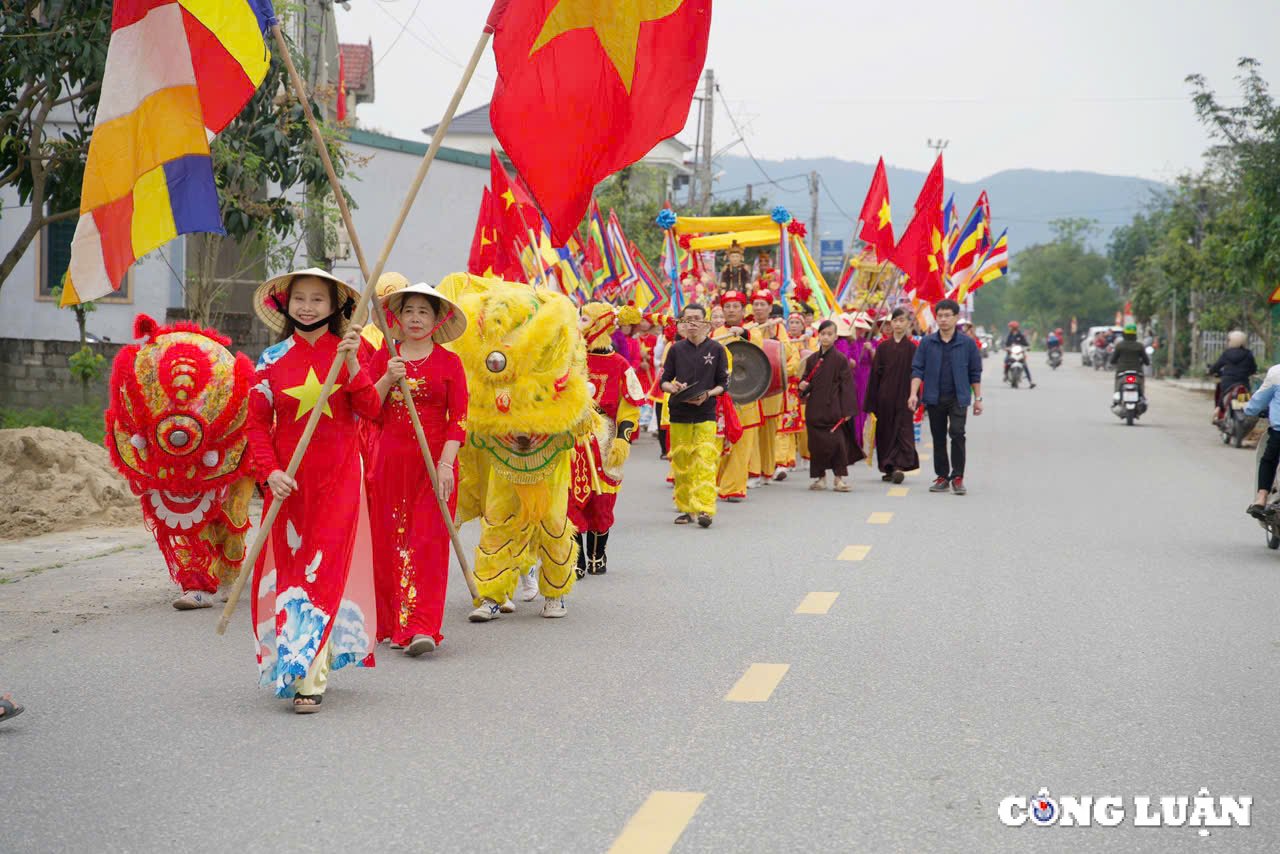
{"x":23,"y":316}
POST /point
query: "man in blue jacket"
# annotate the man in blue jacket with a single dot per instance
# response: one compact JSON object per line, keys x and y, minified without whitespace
{"x":950,"y":368}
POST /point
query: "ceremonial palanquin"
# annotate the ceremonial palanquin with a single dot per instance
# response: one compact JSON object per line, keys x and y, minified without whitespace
{"x":526,"y":371}
{"x":175,"y":430}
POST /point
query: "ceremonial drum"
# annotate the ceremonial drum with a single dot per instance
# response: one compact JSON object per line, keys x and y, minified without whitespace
{"x":749,"y":372}
{"x":773,"y":350}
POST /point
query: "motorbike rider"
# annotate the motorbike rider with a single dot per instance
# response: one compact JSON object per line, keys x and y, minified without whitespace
{"x":1054,"y":341}
{"x":1235,"y":365}
{"x":1266,"y":401}
{"x":1130,"y":355}
{"x":1016,"y":336}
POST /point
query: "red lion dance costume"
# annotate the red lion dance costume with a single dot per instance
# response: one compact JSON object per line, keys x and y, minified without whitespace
{"x":175,"y":430}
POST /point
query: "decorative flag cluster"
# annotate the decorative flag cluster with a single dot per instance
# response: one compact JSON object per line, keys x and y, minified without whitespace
{"x":177,"y":73}
{"x":939,"y":254}
{"x":586,"y":88}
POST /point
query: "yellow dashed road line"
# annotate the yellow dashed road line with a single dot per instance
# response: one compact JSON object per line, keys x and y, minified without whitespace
{"x":879,"y":518}
{"x":757,"y":684}
{"x":817,"y":603}
{"x":855,"y":553}
{"x":656,"y":826}
{"x":898,"y":491}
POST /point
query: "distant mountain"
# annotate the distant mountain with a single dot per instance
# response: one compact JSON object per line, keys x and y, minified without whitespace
{"x":1023,"y":200}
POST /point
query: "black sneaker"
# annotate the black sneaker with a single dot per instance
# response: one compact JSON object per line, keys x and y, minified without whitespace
{"x":957,"y":486}
{"x":898,"y":476}
{"x":940,"y":484}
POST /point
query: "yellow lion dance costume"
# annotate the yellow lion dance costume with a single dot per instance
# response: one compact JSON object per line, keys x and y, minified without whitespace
{"x":526,"y":374}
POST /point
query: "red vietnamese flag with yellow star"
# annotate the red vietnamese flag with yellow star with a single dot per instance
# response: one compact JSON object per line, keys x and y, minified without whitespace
{"x":484,"y":243}
{"x":920,"y":253}
{"x":876,"y":218}
{"x":588,"y":87}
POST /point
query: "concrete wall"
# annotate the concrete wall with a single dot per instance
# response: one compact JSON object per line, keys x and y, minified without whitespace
{"x":35,"y":374}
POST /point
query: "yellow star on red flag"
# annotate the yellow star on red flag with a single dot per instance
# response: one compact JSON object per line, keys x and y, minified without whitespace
{"x":616,"y":24}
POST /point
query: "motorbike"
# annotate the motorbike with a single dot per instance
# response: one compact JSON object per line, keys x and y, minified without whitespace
{"x":1128,"y":402}
{"x":1017,"y":365}
{"x":1271,"y":521}
{"x":1099,"y":358}
{"x":1232,"y":422}
{"x":1055,"y":358}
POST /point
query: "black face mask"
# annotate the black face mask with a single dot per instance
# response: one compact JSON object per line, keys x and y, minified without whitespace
{"x":348,"y":309}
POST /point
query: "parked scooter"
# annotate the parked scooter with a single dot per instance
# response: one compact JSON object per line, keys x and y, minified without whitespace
{"x":1128,"y":403}
{"x":1017,"y":367}
{"x":1232,"y":422}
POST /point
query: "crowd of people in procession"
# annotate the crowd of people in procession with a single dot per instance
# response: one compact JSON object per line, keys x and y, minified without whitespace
{"x":362,"y":494}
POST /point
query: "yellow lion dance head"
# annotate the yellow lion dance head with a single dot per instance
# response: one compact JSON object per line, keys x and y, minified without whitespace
{"x":526,"y":372}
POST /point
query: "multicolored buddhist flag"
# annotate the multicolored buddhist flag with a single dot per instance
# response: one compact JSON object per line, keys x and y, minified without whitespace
{"x":994,"y":265}
{"x":966,"y":253}
{"x":624,"y":267}
{"x":586,"y":88}
{"x":177,"y":73}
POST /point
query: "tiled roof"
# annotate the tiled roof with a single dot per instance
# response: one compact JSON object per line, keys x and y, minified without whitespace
{"x":357,"y":65}
{"x":472,"y":121}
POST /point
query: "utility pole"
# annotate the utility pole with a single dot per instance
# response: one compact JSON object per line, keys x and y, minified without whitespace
{"x":708,"y":114}
{"x":316,"y":35}
{"x":749,"y":196}
{"x":813,"y":212}
{"x":938,"y":145}
{"x":1193,"y":300}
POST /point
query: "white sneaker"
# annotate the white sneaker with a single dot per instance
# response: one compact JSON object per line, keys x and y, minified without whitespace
{"x":507,"y":607}
{"x":193,"y":599}
{"x":419,"y":645}
{"x":527,"y":587}
{"x":753,"y":482}
{"x":487,"y":611}
{"x":780,"y":473}
{"x":553,"y":606}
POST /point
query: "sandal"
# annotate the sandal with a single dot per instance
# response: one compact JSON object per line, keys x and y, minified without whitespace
{"x":1257,"y":511}
{"x":684,"y":519}
{"x":842,"y":487}
{"x":301,"y":705}
{"x":9,"y":709}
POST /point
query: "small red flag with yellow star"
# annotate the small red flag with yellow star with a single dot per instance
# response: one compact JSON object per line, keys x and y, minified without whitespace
{"x":877,"y":220}
{"x":920,"y":252}
{"x":588,"y":87}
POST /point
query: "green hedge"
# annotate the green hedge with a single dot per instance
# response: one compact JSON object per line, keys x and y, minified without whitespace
{"x":85,"y":420}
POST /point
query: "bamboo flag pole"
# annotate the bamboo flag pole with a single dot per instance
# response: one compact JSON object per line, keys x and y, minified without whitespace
{"x":379,"y":316}
{"x":369,"y":288}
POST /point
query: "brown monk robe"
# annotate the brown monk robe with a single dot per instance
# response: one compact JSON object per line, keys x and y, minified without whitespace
{"x":831,"y":404}
{"x":887,"y":394}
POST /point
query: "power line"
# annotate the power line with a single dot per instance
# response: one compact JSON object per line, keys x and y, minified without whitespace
{"x":832,"y":197}
{"x":404,"y":28}
{"x":418,"y":38}
{"x":743,"y":137}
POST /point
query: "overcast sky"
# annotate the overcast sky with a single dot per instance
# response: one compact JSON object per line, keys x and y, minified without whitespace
{"x":1049,"y":84}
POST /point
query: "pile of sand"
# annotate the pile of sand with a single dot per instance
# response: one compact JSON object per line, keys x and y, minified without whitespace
{"x":52,"y":480}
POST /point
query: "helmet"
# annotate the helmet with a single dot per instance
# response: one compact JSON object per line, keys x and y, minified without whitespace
{"x":1013,"y":324}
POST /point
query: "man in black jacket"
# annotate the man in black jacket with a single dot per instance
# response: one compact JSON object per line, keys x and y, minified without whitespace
{"x":1235,"y":365}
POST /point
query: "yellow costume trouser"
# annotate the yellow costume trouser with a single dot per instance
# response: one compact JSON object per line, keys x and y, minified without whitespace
{"x":802,"y":444}
{"x":317,"y":678}
{"x":734,"y":466}
{"x":230,"y":544}
{"x":768,"y":442}
{"x":694,"y":450}
{"x":786,"y":449}
{"x":522,"y":523}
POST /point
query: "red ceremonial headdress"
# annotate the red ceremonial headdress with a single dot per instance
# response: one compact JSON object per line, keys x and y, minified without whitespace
{"x":763,"y":294}
{"x":734,"y":296}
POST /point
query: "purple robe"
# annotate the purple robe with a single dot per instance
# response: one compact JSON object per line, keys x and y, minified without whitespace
{"x":860,"y":360}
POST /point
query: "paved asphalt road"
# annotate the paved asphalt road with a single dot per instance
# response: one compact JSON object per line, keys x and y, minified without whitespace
{"x":1097,"y":616}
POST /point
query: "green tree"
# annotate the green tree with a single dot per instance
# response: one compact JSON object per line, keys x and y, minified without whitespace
{"x":51,"y":60}
{"x":1056,"y":281}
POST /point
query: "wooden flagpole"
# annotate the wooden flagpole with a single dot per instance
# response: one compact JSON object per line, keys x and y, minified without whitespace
{"x":371,"y":278}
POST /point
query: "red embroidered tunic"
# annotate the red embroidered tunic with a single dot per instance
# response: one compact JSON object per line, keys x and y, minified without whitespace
{"x":410,"y":541}
{"x":301,"y":596}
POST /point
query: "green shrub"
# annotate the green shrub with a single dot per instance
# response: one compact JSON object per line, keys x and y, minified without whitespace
{"x":85,"y":420}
